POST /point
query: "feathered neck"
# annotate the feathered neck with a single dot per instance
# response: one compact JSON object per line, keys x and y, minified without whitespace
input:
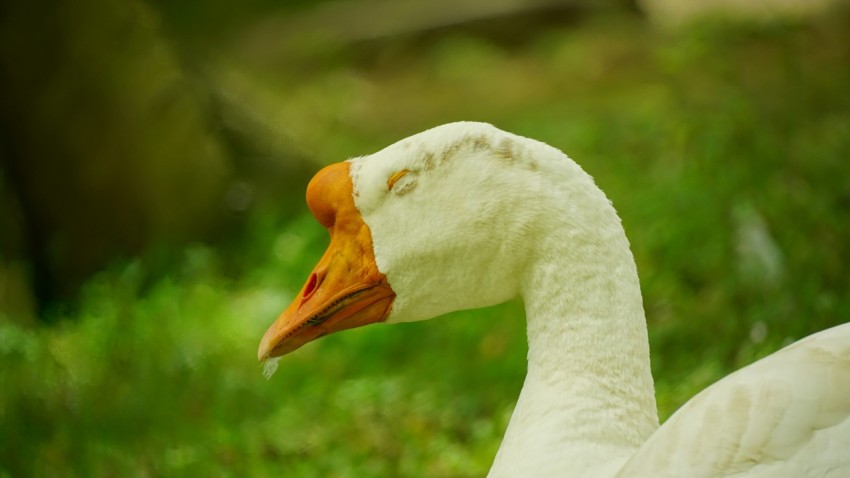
{"x":588,"y":400}
{"x":504,"y":215}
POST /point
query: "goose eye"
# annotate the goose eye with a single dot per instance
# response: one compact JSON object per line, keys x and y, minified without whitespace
{"x":395,"y":177}
{"x":402,"y":182}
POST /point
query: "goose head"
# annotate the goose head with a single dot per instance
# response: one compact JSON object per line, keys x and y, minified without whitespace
{"x":441,"y":221}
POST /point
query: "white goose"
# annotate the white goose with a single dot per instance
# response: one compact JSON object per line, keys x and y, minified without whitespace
{"x":465,"y":215}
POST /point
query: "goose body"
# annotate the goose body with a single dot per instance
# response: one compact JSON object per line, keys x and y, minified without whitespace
{"x":466,"y":215}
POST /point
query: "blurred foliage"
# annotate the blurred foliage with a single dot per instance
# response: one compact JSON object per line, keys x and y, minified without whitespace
{"x":108,"y":144}
{"x":724,"y":147}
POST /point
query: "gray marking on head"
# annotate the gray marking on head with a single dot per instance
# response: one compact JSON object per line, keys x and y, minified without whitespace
{"x":507,"y":149}
{"x":480,"y":142}
{"x":428,"y":161}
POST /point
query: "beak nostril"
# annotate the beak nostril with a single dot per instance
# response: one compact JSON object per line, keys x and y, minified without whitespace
{"x":312,"y":283}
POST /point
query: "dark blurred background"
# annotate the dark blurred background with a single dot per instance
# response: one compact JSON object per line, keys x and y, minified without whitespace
{"x":153,"y":161}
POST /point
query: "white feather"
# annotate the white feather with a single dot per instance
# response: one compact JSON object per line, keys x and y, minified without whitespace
{"x":483,"y":216}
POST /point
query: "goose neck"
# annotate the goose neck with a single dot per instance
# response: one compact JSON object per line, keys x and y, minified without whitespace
{"x":588,"y":399}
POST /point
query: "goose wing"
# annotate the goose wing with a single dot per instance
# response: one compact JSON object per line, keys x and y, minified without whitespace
{"x":787,"y":415}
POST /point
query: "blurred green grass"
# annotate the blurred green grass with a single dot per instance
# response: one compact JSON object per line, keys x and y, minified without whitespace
{"x":725,"y":149}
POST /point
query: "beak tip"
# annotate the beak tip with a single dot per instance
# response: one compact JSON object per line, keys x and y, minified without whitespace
{"x":265,"y":350}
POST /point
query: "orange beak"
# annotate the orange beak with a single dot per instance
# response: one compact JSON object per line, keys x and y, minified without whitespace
{"x":345,"y":289}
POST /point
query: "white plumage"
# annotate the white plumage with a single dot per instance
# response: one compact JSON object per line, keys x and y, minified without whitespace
{"x":465,"y":215}
{"x":787,"y":415}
